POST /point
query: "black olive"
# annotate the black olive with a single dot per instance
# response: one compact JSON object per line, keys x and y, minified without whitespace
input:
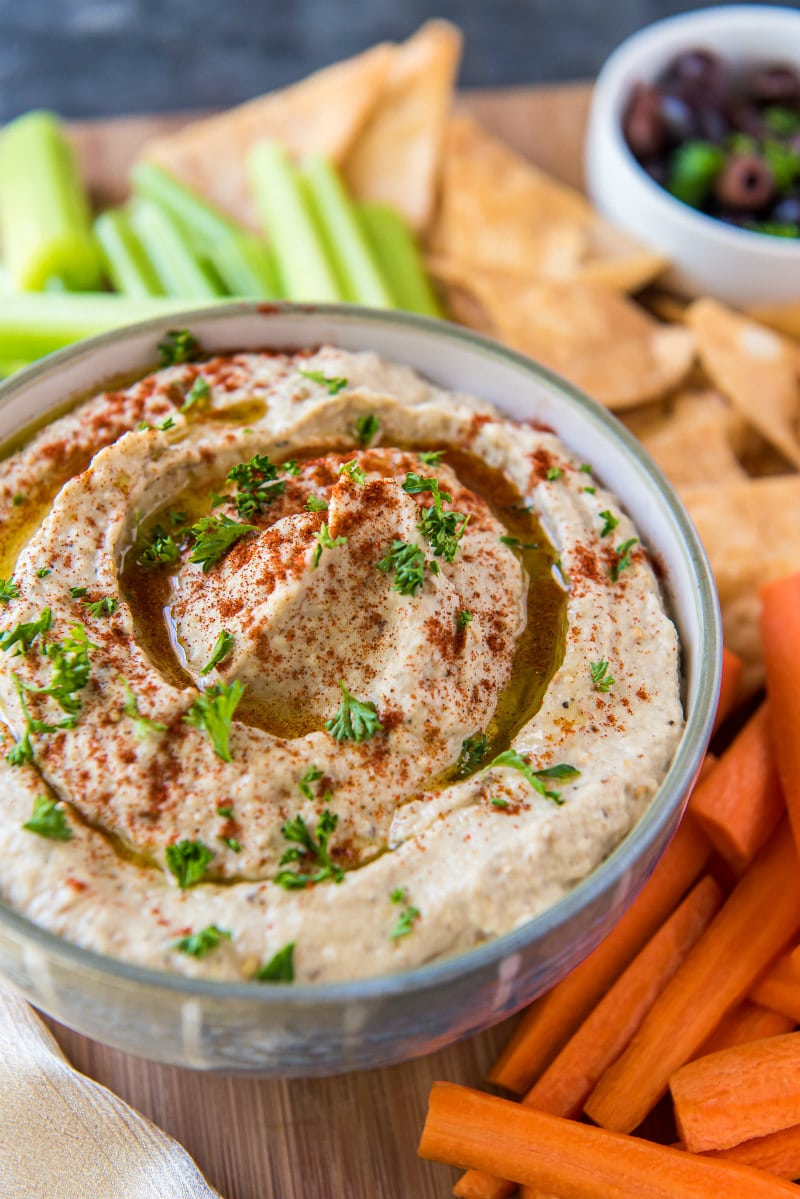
{"x":698,"y":77}
{"x":643,"y":125}
{"x":778,"y":83}
{"x":786,"y":211}
{"x":679,"y":119}
{"x":713,"y":124}
{"x":745,"y":181}
{"x":658,"y":169}
{"x":746,"y":118}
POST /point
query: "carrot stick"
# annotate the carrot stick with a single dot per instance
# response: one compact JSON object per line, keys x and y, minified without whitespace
{"x":779,"y":989}
{"x":732,"y":667}
{"x":550,"y":1021}
{"x":778,"y":1153}
{"x":780,"y":638}
{"x":738,"y":805}
{"x":746,"y":1022}
{"x":737,"y":1094}
{"x":572,"y":1160}
{"x":568,"y":1081}
{"x":757,"y":921}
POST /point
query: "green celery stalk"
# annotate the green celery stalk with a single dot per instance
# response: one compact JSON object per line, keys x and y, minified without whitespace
{"x":33,"y":324}
{"x":44,"y":211}
{"x":246,"y":267}
{"x":180,"y":273}
{"x":127,"y":265}
{"x":303,"y":263}
{"x":358,"y":270}
{"x":10,"y":368}
{"x":401,"y":262}
{"x":202,"y":222}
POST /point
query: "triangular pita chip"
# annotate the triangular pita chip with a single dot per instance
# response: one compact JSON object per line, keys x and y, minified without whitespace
{"x":783,"y":317}
{"x":691,"y":437}
{"x":321,"y":114}
{"x":757,"y":369}
{"x":395,"y":159}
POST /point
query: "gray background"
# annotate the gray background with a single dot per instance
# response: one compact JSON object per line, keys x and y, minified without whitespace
{"x":89,"y":58}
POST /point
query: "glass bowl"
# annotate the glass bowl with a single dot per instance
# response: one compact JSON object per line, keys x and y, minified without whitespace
{"x":316,"y":1029}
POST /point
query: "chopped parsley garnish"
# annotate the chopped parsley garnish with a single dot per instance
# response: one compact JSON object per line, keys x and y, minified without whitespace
{"x":231,"y":843}
{"x":197,"y":945}
{"x":143,"y":426}
{"x":408,"y":563}
{"x":366,"y":428}
{"x":537,"y":778}
{"x":444,"y":530}
{"x":610,"y":522}
{"x":473,"y":751}
{"x":18,"y":500}
{"x":142,"y":725}
{"x":178,"y":346}
{"x":188,"y":861}
{"x":405,"y":922}
{"x":70,"y":667}
{"x":398,"y":895}
{"x":314,"y":504}
{"x":555,"y":472}
{"x":160,"y":550}
{"x":214,"y":536}
{"x":586,"y":468}
{"x":226,"y":811}
{"x":8,"y":590}
{"x":310,"y":852}
{"x":464,"y":618}
{"x":356,"y":473}
{"x":499,"y":803}
{"x":589,"y":490}
{"x":26,"y":633}
{"x":600,"y":676}
{"x":334,"y":384}
{"x":257,"y":484}
{"x":167,"y":423}
{"x":176,"y":517}
{"x":623,"y":558}
{"x":222,"y":647}
{"x":22,"y":751}
{"x":354,"y":721}
{"x":48,"y":820}
{"x":42,"y":572}
{"x":213,"y":711}
{"x":280,"y":967}
{"x":217,"y":500}
{"x":312,"y":775}
{"x":197,"y":396}
{"x":324,"y":542}
{"x":431,"y":457}
{"x":77,"y":592}
{"x":415,"y":484}
{"x":515,"y":543}
{"x":106,"y":606}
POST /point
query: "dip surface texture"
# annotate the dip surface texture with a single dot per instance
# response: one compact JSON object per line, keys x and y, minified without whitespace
{"x":303,"y":656}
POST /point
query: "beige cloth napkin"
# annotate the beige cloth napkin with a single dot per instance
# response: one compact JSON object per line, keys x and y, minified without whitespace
{"x":63,"y":1136}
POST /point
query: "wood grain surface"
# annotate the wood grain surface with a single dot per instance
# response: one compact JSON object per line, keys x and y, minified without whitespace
{"x":355,"y":1136}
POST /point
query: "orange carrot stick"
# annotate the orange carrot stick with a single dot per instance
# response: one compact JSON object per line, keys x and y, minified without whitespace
{"x":550,"y":1021}
{"x":738,"y":805}
{"x":758,"y":920}
{"x":746,"y":1022}
{"x":737,"y":1094}
{"x":778,"y":1153}
{"x":779,"y":989}
{"x":780,"y":638}
{"x":572,"y":1160}
{"x":567,"y":1082}
{"x":732,"y":667}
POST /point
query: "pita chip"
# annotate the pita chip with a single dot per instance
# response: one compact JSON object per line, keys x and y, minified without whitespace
{"x":783,"y":317}
{"x":395,"y":159}
{"x":321,"y":114}
{"x":691,"y":437}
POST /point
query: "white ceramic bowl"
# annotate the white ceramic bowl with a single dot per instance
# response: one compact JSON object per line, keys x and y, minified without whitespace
{"x":709,"y":257}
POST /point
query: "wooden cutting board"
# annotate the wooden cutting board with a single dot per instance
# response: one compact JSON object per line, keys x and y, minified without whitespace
{"x":352,"y":1137}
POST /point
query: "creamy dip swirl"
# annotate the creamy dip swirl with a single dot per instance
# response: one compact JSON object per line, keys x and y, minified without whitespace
{"x":538,"y":637}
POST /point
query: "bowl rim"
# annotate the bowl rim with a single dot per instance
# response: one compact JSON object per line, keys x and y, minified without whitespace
{"x":612,"y":88}
{"x":671,"y":793}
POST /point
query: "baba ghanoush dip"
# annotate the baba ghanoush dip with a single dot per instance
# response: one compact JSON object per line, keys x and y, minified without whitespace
{"x":311,"y":670}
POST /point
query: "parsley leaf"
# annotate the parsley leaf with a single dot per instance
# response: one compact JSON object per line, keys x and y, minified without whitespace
{"x":473,"y":751}
{"x":515,"y":543}
{"x":408,"y":563}
{"x":48,"y":820}
{"x":366,"y":428}
{"x":178,"y":346}
{"x":354,"y":721}
{"x":600,"y":676}
{"x":555,"y":472}
{"x":431,"y":457}
{"x":623,"y":558}
{"x":444,"y":531}
{"x":536,"y":778}
{"x":70,"y":669}
{"x":188,"y":861}
{"x":167,"y":423}
{"x":197,"y":396}
{"x":463,"y":618}
{"x":143,"y":725}
{"x":77,"y":592}
{"x":106,"y":606}
{"x":610,"y":522}
{"x":280,"y":967}
{"x":354,"y":471}
{"x":41,"y":573}
{"x":22,"y":752}
{"x":214,"y":536}
{"x":213,"y":711}
{"x":312,"y":775}
{"x":197,"y":945}
{"x":231,"y":843}
{"x":324,"y":542}
{"x":398,"y":895}
{"x":589,"y":490}
{"x":18,"y":500}
{"x":257,"y":485}
{"x":334,"y":384}
{"x":159,"y":550}
{"x":222,"y":647}
{"x":8,"y":590}
{"x":502,"y":804}
{"x":25,"y":634}
{"x":405,"y":922}
{"x":226,"y":811}
{"x":311,"y":852}
{"x":415,"y":484}
{"x":314,"y":504}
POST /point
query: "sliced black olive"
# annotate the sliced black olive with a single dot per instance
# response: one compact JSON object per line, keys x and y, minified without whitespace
{"x":778,"y":83}
{"x":643,"y":124}
{"x":745,"y":181}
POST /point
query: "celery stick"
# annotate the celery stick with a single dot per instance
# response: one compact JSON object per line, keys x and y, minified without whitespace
{"x":127,"y":265}
{"x":352,"y":254}
{"x":44,"y":212}
{"x":246,"y":267}
{"x":305,"y":269}
{"x":10,"y":368}
{"x":396,"y":250}
{"x":203,"y":224}
{"x":33,"y":324}
{"x":180,"y":273}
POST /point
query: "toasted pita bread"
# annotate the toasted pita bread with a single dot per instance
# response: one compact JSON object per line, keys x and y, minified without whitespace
{"x":783,"y":317}
{"x":691,"y":437}
{"x":757,"y":369}
{"x":321,"y":114}
{"x":395,"y":159}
